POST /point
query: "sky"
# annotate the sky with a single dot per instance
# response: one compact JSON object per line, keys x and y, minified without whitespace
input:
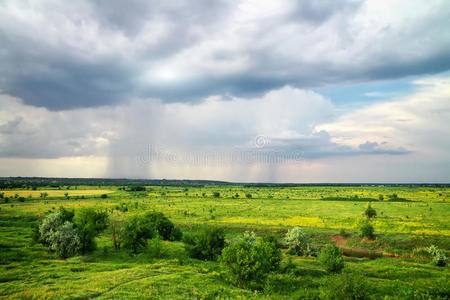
{"x":299,"y":91}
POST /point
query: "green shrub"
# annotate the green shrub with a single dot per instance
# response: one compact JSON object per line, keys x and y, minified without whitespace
{"x":216,"y":194}
{"x":156,"y":248}
{"x":439,"y":258}
{"x":248,"y":195}
{"x":89,"y":223}
{"x":344,"y":233}
{"x":331,"y":259}
{"x":51,"y":223}
{"x":206,"y":244}
{"x":370,"y":212}
{"x":345,"y":286}
{"x":366,"y":229}
{"x":164,"y":227}
{"x":104,"y":196}
{"x":247,"y":265}
{"x":58,"y":233}
{"x":299,"y":243}
{"x":65,"y":241}
{"x":135,"y":233}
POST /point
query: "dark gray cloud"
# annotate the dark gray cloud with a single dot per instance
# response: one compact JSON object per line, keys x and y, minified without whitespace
{"x":93,"y":53}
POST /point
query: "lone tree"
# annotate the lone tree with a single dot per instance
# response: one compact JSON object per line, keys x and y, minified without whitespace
{"x":370,"y":212}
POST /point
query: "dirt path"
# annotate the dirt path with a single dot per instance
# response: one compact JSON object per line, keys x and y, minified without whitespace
{"x":361,"y":252}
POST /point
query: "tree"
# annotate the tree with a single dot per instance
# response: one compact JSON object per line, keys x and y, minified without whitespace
{"x":89,"y":223}
{"x":366,"y":229}
{"x":206,"y":244}
{"x":58,"y":233}
{"x":164,"y":227}
{"x":299,"y":243}
{"x":116,"y":229}
{"x":247,"y":264}
{"x":331,"y":259}
{"x":135,"y":233}
{"x":65,"y":240}
{"x":370,"y":212}
{"x":52,"y":222}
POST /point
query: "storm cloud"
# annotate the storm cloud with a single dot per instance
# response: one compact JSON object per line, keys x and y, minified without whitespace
{"x":61,"y":55}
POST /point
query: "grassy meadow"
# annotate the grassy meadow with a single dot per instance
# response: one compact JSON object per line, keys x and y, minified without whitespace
{"x":409,"y":219}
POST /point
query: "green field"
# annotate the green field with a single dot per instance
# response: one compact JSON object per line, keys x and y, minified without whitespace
{"x":417,"y":217}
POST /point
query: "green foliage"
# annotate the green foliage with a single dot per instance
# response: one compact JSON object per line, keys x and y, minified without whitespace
{"x":67,"y":214}
{"x":216,"y":194}
{"x":206,"y":244}
{"x":136,"y":188}
{"x":345,"y":286}
{"x":331,"y":259}
{"x":49,"y":225}
{"x":247,"y":264}
{"x":58,"y":233}
{"x":366,"y":229}
{"x":135,"y":233}
{"x":104,"y":196}
{"x":164,"y":227}
{"x":89,"y":224}
{"x":344,"y":233}
{"x":156,"y":248}
{"x":299,"y":243}
{"x":439,"y":258}
{"x":65,"y":240}
{"x":370,"y":212}
{"x":248,"y":195}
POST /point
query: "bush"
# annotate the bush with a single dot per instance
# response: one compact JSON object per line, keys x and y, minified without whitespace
{"x":156,"y":248}
{"x":439,"y":258}
{"x":247,"y":265}
{"x":21,"y":199}
{"x":164,"y":227}
{"x":370,"y":212}
{"x":249,"y":196}
{"x":216,"y":194}
{"x":58,"y":233}
{"x":65,"y":241}
{"x":89,"y":224}
{"x":366,"y":229}
{"x":331,"y":259}
{"x":135,"y":233}
{"x":299,"y":243}
{"x":206,"y":244}
{"x":51,"y":223}
{"x":104,"y":196}
{"x":344,"y":233}
{"x":345,"y":286}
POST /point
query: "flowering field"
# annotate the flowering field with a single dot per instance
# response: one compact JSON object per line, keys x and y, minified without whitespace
{"x":405,"y":224}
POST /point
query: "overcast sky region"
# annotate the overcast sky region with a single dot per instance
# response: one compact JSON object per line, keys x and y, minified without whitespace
{"x":246,"y":91}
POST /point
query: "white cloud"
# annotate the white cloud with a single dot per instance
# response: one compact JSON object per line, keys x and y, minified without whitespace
{"x":418,"y":122}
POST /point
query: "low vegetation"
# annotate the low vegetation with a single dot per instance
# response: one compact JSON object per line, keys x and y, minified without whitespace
{"x":185,"y":242}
